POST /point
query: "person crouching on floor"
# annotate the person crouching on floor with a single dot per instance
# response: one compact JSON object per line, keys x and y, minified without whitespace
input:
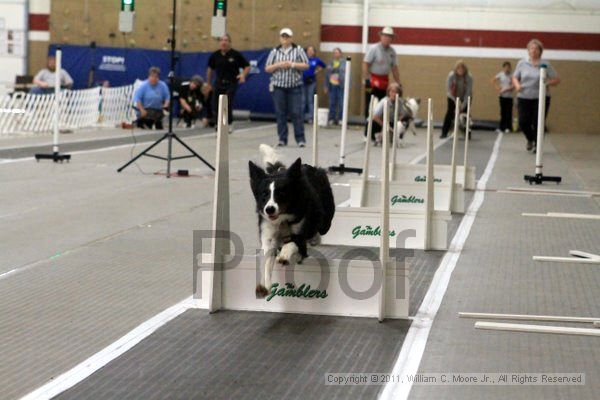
{"x":150,"y":99}
{"x":392,"y":90}
{"x":194,"y":102}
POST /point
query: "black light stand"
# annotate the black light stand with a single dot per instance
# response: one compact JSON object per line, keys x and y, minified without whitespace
{"x":92,"y":73}
{"x":169,"y":136}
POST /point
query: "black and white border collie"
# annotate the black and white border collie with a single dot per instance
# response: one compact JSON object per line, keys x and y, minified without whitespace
{"x":294,"y":205}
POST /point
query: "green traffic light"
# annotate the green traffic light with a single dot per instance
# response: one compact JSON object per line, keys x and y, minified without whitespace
{"x":127,"y":5}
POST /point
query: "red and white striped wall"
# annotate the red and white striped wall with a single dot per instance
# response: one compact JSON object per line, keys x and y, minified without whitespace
{"x":465,"y":31}
{"x":39,"y":20}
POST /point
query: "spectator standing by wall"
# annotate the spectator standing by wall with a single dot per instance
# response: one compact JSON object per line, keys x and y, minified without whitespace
{"x":459,"y":85}
{"x":504,"y":85}
{"x":526,"y":80}
{"x":315,"y":65}
{"x":286,"y":63}
{"x":150,"y":98}
{"x":379,"y":61}
{"x":230,"y":68}
{"x":335,"y":74}
{"x":44,"y":80}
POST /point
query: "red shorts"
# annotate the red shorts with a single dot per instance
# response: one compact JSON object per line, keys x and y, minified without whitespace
{"x":379,"y":81}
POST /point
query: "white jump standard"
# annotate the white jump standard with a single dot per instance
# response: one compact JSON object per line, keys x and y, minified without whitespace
{"x":56,"y":156}
{"x":341,"y":168}
{"x":538,"y":178}
{"x":226,"y":280}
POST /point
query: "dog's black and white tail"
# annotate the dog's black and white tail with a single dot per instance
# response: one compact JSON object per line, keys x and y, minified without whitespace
{"x":270,"y":159}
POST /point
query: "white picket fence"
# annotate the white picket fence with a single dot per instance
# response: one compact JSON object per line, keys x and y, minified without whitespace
{"x":22,"y":113}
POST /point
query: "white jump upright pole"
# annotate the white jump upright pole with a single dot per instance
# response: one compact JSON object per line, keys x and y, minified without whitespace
{"x":539,"y":177}
{"x":341,"y":168}
{"x":56,"y":119}
{"x":467,"y":139}
{"x":453,"y":160}
{"x":220,"y":221}
{"x":541,"y":123}
{"x":56,"y":156}
{"x":315,"y":152}
{"x":365,"y":169}
{"x":395,"y":138}
{"x":429,"y":197}
{"x":384,"y":248}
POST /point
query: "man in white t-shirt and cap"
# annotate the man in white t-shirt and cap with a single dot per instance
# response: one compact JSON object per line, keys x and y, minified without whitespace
{"x":379,"y":61}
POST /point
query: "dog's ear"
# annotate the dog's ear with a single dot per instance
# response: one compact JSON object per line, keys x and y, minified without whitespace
{"x":295,"y":170}
{"x":257,"y":175}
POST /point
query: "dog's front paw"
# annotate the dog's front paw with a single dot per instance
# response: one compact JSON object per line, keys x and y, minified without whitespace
{"x":316,"y":240}
{"x":288,"y":254}
{"x":261,"y":292}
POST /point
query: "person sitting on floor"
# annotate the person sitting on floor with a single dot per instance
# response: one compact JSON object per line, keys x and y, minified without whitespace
{"x":45,"y":79}
{"x":150,"y":99}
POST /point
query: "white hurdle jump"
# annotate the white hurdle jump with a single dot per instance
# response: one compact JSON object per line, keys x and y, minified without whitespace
{"x":360,"y":226}
{"x":464,"y":174}
{"x":404,"y":193}
{"x":226,"y":280}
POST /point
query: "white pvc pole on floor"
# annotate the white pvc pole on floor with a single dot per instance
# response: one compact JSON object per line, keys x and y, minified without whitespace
{"x":315,"y":153}
{"x":541,"y":122}
{"x":56,"y":120}
{"x":345,"y":111}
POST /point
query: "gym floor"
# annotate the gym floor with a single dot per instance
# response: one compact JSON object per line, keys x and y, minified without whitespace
{"x":89,"y":254}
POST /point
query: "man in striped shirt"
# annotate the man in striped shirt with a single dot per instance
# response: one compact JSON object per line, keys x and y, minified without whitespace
{"x":286,"y":63}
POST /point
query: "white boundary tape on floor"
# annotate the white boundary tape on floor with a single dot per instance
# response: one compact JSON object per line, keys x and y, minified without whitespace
{"x":94,"y":363}
{"x":359,"y":226}
{"x":415,"y":341}
{"x":526,"y":317}
{"x":563,"y":330}
{"x":227,"y":280}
